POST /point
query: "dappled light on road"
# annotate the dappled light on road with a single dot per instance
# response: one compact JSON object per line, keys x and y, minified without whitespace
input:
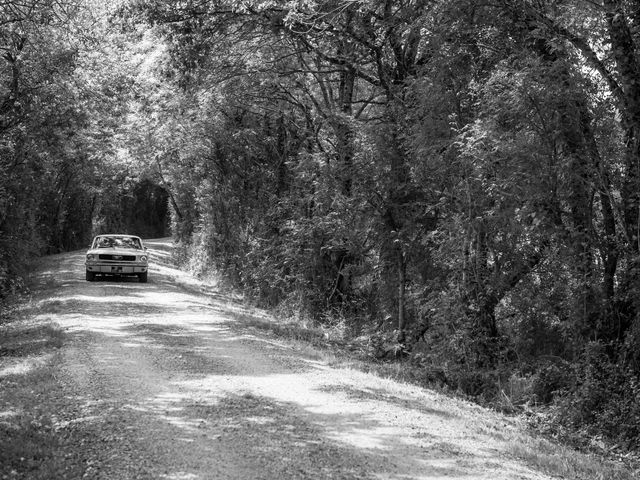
{"x":169,"y":370}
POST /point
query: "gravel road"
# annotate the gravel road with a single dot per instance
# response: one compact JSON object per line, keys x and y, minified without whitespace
{"x":165,"y":380}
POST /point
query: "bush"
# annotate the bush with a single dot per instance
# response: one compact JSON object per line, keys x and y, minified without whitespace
{"x":550,"y":379}
{"x":603,"y":401}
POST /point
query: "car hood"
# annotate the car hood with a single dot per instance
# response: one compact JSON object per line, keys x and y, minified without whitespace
{"x":116,"y":251}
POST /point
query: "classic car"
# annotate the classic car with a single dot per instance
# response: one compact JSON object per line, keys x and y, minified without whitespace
{"x":118,"y":255}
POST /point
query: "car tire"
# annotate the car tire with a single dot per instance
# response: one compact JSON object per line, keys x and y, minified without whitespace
{"x":142,"y":277}
{"x":90,"y":276}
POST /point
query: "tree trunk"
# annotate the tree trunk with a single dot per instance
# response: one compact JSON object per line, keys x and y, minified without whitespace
{"x":402,"y":270}
{"x":344,"y":131}
{"x":625,"y":55}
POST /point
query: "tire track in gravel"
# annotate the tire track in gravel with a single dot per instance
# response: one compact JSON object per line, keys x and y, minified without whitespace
{"x":163,"y":382}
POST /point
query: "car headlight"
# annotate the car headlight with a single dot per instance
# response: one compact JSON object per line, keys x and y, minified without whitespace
{"x":90,"y":256}
{"x":143,"y":258}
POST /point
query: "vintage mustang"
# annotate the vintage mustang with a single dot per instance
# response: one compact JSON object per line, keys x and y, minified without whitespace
{"x":117,"y":255}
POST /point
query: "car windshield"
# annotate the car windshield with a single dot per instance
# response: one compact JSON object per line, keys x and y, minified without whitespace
{"x":118,"y":242}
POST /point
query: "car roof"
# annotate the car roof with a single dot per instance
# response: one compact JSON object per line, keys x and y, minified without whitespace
{"x":116,"y":235}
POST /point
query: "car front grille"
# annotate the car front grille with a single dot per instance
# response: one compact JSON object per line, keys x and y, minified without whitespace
{"x":125,"y":258}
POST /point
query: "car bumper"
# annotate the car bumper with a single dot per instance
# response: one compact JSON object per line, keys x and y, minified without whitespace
{"x":115,"y":269}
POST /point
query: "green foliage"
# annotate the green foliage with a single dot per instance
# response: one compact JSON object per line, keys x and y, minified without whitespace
{"x":37,"y":119}
{"x":443,"y":176}
{"x":458,"y":182}
{"x":551,"y":380}
{"x":603,"y":398}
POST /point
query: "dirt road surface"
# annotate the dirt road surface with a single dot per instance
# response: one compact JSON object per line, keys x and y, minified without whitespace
{"x":165,"y":380}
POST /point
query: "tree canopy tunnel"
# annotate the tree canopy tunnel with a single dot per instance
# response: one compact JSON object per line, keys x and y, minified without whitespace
{"x":141,"y":208}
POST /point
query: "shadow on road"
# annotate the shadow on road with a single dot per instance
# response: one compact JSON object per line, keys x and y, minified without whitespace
{"x":162,"y":380}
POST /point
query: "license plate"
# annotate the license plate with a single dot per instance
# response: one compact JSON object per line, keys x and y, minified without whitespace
{"x":116,"y":269}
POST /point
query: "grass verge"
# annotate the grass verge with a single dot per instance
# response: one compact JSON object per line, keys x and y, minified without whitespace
{"x":30,"y":446}
{"x":564,"y":462}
